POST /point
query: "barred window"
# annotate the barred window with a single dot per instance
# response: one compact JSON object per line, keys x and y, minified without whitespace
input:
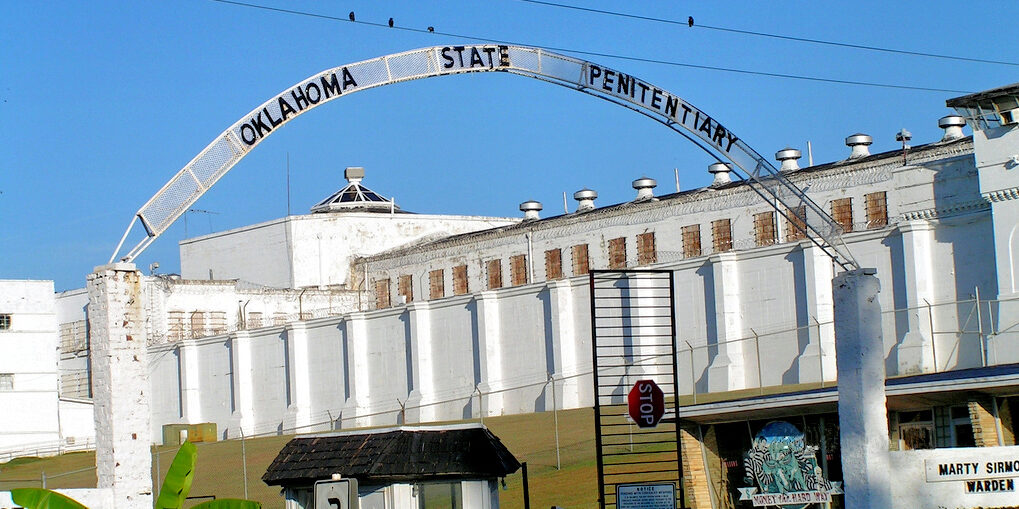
{"x":796,"y":223}
{"x":175,"y":325}
{"x":691,"y":241}
{"x":197,"y":324}
{"x":646,"y":253}
{"x":553,"y":264}
{"x":5,"y":321}
{"x":405,"y":288}
{"x":842,"y":212}
{"x":877,"y":209}
{"x":721,"y":235}
{"x":580,"y":263}
{"x":459,"y":280}
{"x":6,"y":381}
{"x":518,"y":269}
{"x":279,"y":318}
{"x":382,"y":294}
{"x":254,"y":320}
{"x":217,"y":322}
{"x":764,"y":228}
{"x":436,"y":290}
{"x":494,"y":274}
{"x":617,"y":253}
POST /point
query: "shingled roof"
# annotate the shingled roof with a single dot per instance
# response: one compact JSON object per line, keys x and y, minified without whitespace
{"x":393,"y":455}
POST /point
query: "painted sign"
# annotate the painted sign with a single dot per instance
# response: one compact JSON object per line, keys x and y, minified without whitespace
{"x":977,"y":467}
{"x":646,"y":496}
{"x":784,"y":470}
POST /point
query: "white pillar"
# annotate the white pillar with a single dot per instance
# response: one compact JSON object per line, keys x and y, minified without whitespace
{"x":818,"y":359}
{"x":243,"y":418}
{"x":727,"y":370}
{"x":120,"y":381}
{"x":489,"y":354}
{"x":566,"y":344}
{"x":358,"y":404}
{"x":299,"y":377}
{"x":915,"y":352}
{"x":190,"y":382}
{"x":419,"y":315}
{"x":863,"y":417}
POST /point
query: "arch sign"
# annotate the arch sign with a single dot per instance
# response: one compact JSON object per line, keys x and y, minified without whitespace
{"x":192,"y":181}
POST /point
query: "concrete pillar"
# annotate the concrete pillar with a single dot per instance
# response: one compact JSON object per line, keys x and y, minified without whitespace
{"x":120,"y":378}
{"x":863,"y":416}
{"x":190,"y":382}
{"x":817,"y":362}
{"x":359,"y":402}
{"x":489,"y":353}
{"x":243,"y":419}
{"x":299,"y":378}
{"x":566,"y":343}
{"x":419,"y":314}
{"x":915,"y":352}
{"x":727,"y":369}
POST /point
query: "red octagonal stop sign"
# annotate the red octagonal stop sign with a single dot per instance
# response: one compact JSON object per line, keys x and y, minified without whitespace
{"x":646,"y":403}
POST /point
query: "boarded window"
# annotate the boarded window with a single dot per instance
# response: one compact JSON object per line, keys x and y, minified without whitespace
{"x":279,"y":318}
{"x":842,"y":212}
{"x":580,"y":263}
{"x":796,"y":223}
{"x":382,"y":294}
{"x":764,"y":228}
{"x":617,"y":253}
{"x":217,"y":322}
{"x":436,"y":290}
{"x":175,"y":325}
{"x":877,"y":210}
{"x":646,"y":253}
{"x":721,"y":235}
{"x":255,"y":320}
{"x":494,"y":274}
{"x":197,"y":324}
{"x":691,"y":241}
{"x":518,"y":270}
{"x":459,"y":280}
{"x":405,"y":288}
{"x":553,"y":264}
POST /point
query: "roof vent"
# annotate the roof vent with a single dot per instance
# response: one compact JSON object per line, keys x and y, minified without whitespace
{"x":354,"y":174}
{"x":859,"y":143}
{"x":530,"y":208}
{"x":645,"y":188}
{"x":788,"y":157}
{"x":721,"y":172}
{"x":952,"y":124}
{"x":585,"y":199}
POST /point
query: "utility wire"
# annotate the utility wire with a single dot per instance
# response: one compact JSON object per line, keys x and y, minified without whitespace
{"x":600,"y":54}
{"x":773,"y":36}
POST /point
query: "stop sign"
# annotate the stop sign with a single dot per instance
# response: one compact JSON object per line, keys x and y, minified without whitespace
{"x":646,"y":403}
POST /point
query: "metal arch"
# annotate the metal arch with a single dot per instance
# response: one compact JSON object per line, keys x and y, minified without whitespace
{"x":202,"y":172}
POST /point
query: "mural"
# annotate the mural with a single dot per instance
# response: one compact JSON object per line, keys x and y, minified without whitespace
{"x":783,"y":470}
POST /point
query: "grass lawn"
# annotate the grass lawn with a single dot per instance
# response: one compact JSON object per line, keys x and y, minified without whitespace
{"x":220,"y":470}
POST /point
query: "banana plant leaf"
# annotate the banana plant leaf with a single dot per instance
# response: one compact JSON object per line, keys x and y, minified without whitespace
{"x":39,"y":498}
{"x":228,"y":503}
{"x":177,"y":483}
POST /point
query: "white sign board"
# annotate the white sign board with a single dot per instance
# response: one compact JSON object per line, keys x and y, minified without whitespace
{"x":340,"y":494}
{"x":646,"y":496}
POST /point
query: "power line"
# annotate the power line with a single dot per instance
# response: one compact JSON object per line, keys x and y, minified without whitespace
{"x":773,"y":36}
{"x":601,"y":54}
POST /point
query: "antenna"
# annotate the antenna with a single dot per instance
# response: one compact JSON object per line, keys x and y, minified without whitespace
{"x":198,"y":211}
{"x":810,"y":154}
{"x":566,"y":208}
{"x":288,"y":184}
{"x":676,"y":171}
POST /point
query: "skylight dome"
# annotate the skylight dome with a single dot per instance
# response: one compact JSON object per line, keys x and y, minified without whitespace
{"x":355,"y":197}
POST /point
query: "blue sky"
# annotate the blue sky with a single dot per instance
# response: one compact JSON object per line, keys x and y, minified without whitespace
{"x":101,"y":103}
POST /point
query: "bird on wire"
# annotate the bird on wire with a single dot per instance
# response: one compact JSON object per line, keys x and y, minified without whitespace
{"x":431,"y":29}
{"x":390,"y":22}
{"x":689,"y":21}
{"x":351,"y":15}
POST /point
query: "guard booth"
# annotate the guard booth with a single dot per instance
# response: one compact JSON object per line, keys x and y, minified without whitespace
{"x":422,"y":467}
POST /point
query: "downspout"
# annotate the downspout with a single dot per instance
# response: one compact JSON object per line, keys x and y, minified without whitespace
{"x":530,"y":258}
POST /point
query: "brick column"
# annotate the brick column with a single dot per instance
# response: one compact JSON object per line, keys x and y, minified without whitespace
{"x":698,"y":491}
{"x":120,"y":378}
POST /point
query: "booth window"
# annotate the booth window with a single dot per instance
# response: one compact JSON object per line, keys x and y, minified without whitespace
{"x":6,"y":382}
{"x":5,"y":321}
{"x":439,"y":495}
{"x":553,"y":264}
